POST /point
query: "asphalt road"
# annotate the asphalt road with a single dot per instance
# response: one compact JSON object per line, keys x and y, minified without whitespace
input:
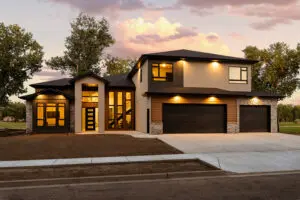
{"x":256,"y":187}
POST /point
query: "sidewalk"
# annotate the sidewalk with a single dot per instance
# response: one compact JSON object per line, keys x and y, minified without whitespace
{"x":99,"y":160}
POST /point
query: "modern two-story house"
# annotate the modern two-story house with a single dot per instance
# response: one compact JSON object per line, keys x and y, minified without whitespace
{"x":178,"y":91}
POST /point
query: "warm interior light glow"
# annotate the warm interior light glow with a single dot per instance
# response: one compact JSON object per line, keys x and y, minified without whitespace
{"x":163,"y":65}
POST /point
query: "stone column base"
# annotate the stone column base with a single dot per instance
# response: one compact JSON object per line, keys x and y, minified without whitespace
{"x":156,"y":128}
{"x":232,"y":128}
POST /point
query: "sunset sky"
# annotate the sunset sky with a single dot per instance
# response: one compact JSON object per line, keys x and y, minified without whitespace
{"x":141,"y":26}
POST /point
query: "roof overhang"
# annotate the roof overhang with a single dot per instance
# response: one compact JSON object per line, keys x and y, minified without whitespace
{"x":88,"y":74}
{"x":46,"y":91}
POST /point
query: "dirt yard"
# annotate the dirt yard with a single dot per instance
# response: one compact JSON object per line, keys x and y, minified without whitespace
{"x":102,"y":170}
{"x":52,"y":146}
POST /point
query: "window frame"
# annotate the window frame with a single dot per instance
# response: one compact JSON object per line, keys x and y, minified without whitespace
{"x":239,"y":81}
{"x":57,"y":116}
{"x":120,"y":116}
{"x":166,"y":80}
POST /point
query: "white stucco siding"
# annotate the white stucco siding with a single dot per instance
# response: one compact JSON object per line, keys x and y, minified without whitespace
{"x":200,"y":74}
{"x":78,"y":104}
{"x":141,"y":101}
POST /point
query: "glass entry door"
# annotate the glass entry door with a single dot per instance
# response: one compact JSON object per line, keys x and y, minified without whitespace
{"x":90,"y":122}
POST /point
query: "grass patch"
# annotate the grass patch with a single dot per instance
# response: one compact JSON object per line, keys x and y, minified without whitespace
{"x":289,"y":128}
{"x":12,"y":125}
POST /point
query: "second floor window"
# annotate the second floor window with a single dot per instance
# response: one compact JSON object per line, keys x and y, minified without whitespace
{"x":238,"y":75}
{"x":162,"y":72}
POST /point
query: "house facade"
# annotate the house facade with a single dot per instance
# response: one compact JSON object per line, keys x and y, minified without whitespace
{"x":178,"y":91}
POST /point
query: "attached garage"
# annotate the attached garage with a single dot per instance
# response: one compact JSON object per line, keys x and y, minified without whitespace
{"x":194,"y":118}
{"x":255,"y":118}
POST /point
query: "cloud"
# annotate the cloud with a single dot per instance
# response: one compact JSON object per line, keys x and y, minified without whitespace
{"x":137,"y":36}
{"x":236,"y":36}
{"x":218,"y":3}
{"x":271,"y":15}
{"x":103,"y":6}
{"x":270,"y":12}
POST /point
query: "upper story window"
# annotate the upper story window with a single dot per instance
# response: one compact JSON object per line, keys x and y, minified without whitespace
{"x":162,"y":72}
{"x":90,"y":93}
{"x":238,"y":75}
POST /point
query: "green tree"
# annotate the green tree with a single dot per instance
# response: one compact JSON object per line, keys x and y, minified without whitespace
{"x":20,"y":57}
{"x":277,"y":69}
{"x":84,"y":47}
{"x":285,"y":113}
{"x":16,"y":110}
{"x":115,"y":65}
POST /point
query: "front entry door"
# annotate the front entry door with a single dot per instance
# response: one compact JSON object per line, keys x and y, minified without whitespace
{"x":90,"y":124}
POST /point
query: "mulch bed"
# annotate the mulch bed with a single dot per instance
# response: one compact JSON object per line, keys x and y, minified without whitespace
{"x":103,"y":170}
{"x":11,"y":132}
{"x":53,"y":146}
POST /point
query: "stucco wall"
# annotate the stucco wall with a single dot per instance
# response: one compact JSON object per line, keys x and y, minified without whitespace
{"x":78,"y":104}
{"x":141,"y":102}
{"x":28,"y":116}
{"x":200,"y":74}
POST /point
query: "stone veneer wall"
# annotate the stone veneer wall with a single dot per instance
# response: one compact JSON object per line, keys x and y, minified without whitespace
{"x":260,"y":101}
{"x":72,"y":117}
{"x":28,"y":116}
{"x":156,"y":128}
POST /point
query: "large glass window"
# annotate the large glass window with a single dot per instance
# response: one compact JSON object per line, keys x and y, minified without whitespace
{"x":162,"y":72}
{"x":50,"y":115}
{"x":238,"y":75}
{"x":120,"y":110}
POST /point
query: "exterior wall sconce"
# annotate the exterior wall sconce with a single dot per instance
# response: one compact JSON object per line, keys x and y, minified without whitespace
{"x":255,"y":100}
{"x":177,"y":98}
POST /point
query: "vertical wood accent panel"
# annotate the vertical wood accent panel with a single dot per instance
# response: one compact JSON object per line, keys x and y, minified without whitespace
{"x":157,"y":102}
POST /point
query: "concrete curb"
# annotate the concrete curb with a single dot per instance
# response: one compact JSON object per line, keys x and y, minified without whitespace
{"x":111,"y":178}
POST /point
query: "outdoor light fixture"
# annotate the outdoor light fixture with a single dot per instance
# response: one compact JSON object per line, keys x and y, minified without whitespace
{"x":255,"y":100}
{"x":177,"y":98}
{"x":212,"y":98}
{"x":215,"y":64}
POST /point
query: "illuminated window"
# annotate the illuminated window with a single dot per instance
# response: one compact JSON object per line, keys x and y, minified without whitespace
{"x":120,"y":110}
{"x":40,"y":114}
{"x":238,"y":75}
{"x":90,"y":93}
{"x":162,"y":72}
{"x":50,"y":114}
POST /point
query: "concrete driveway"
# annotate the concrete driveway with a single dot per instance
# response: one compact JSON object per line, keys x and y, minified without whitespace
{"x":243,"y":152}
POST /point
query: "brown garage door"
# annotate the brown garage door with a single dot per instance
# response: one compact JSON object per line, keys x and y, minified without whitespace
{"x":254,"y":118}
{"x":194,"y":118}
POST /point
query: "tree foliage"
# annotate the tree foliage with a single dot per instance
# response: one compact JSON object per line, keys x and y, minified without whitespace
{"x":115,"y":65}
{"x":15,"y":109}
{"x":84,"y":47}
{"x":277,"y":70}
{"x":20,"y":57}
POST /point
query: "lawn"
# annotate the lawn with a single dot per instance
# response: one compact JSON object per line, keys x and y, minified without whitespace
{"x":289,"y":127}
{"x":52,"y":146}
{"x":12,"y":125}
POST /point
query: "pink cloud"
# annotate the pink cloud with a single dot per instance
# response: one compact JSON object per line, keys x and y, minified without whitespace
{"x":217,"y":3}
{"x":212,"y":37}
{"x":270,"y":12}
{"x":236,"y":36}
{"x":138,"y":36}
{"x":106,"y":6}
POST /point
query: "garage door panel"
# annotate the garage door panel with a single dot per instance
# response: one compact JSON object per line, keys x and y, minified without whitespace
{"x":194,"y":118}
{"x":254,"y":118}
